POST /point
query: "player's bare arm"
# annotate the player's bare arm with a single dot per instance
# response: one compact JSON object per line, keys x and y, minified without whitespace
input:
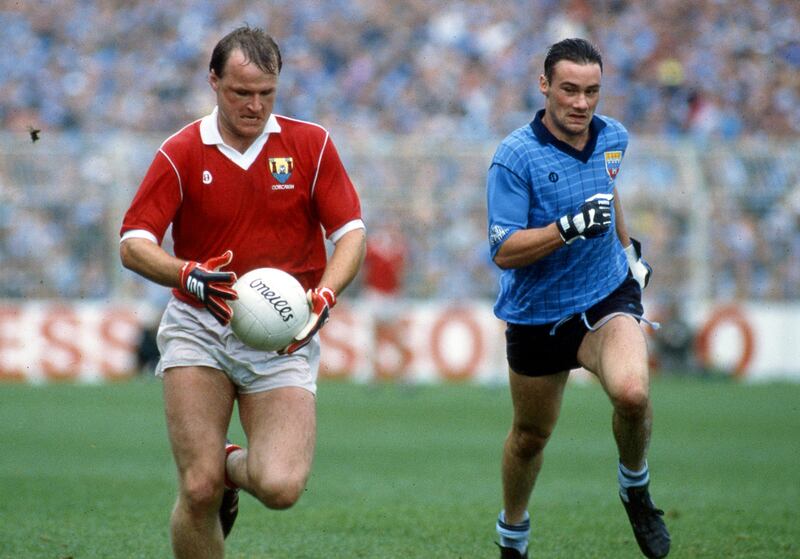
{"x":342,"y":267}
{"x":622,"y":230}
{"x":147,"y":259}
{"x":526,"y":246}
{"x":204,"y":282}
{"x":348,"y":254}
{"x":592,"y":220}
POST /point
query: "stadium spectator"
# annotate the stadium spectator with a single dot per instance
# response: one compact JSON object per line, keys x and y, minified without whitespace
{"x":571,"y":289}
{"x":383,"y":276}
{"x":218,"y":183}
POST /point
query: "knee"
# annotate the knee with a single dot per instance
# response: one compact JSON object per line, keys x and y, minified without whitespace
{"x":527,"y":442}
{"x":201,"y":492}
{"x":632,"y":400}
{"x":278,"y":490}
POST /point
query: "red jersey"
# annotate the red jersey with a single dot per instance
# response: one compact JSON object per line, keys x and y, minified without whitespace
{"x":269,"y":205}
{"x":384,"y":263}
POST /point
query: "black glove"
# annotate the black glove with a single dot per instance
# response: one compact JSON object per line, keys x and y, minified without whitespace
{"x":205,"y":283}
{"x":592,"y":220}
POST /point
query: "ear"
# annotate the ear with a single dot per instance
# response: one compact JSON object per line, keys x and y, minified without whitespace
{"x":544,"y":85}
{"x":213,"y":80}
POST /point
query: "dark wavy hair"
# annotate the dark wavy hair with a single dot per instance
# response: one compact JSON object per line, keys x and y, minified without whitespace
{"x":579,"y":51}
{"x":256,"y":45}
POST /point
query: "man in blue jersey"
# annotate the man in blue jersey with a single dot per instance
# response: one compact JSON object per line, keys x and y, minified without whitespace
{"x":570,"y":290}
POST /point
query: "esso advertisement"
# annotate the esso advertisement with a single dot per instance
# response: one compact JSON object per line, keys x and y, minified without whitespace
{"x":422,"y":342}
{"x":91,"y":342}
{"x":44,"y":341}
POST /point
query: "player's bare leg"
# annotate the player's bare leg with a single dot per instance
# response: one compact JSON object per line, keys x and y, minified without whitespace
{"x":198,"y":403}
{"x":280,"y":425}
{"x":617,"y":354}
{"x":537,"y":404}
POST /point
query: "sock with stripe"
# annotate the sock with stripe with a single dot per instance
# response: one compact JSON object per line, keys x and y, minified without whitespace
{"x":629,"y":478}
{"x":514,"y":535}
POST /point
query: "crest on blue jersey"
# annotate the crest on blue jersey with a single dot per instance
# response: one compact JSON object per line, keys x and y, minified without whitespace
{"x":281,"y":168}
{"x":613,"y":161}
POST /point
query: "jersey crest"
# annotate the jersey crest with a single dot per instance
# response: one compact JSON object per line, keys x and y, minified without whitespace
{"x":281,"y":168}
{"x":613,"y":162}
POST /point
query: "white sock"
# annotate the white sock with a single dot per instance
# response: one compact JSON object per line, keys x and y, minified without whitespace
{"x":629,"y":478}
{"x":514,"y":535}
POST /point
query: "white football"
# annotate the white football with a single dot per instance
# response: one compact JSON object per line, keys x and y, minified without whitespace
{"x":271,"y":309}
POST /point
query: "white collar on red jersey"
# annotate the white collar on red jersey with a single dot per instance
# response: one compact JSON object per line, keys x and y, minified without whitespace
{"x":210,"y":135}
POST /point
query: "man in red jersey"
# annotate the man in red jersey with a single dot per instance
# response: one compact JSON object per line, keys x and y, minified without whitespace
{"x":243,"y":188}
{"x":383,"y":276}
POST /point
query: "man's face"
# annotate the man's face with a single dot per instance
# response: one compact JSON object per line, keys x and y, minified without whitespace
{"x":571,"y":97}
{"x":245,"y":97}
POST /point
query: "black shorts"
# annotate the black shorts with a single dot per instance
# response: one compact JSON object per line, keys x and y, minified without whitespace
{"x":547,"y":349}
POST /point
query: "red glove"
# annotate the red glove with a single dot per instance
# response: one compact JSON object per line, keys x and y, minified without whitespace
{"x":205,"y":283}
{"x":321,"y":300}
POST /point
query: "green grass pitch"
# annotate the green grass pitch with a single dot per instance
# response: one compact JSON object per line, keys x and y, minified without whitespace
{"x":409,"y":472}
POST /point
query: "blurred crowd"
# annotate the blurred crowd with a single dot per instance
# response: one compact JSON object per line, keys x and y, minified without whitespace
{"x":720,"y":221}
{"x":397,"y":83}
{"x":711,"y":67}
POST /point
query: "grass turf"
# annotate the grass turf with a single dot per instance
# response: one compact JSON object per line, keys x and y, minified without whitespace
{"x":409,"y":472}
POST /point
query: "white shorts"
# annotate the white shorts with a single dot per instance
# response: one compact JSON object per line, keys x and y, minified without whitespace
{"x":188,"y":336}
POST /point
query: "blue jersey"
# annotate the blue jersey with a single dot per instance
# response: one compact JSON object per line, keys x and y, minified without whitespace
{"x":533,"y":180}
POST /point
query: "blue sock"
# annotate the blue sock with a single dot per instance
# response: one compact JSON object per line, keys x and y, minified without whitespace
{"x":628,"y":478}
{"x":514,"y":535}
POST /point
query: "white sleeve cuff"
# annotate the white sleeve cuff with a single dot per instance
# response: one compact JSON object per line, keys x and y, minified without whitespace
{"x":139,"y":234}
{"x":346,"y":228}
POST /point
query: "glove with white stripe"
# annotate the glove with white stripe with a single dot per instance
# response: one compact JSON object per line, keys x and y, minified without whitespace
{"x":592,"y":220}
{"x":206,"y":284}
{"x":640,"y":269}
{"x":321,"y":300}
